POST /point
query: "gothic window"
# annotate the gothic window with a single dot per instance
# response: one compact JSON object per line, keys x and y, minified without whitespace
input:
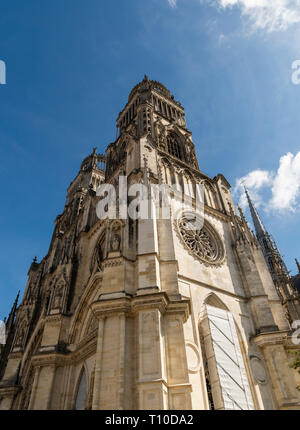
{"x":174,"y":146}
{"x":181,"y":183}
{"x":189,"y":185}
{"x":99,"y":253}
{"x":201,"y":241}
{"x":81,"y":392}
{"x":91,"y":217}
{"x":130,"y":231}
{"x":57,"y":254}
{"x":208,"y":191}
{"x":173,"y":179}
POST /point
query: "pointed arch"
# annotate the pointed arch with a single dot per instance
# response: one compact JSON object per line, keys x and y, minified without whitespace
{"x":167,"y":167}
{"x":81,"y":390}
{"x":82,"y":311}
{"x":226,"y":371}
{"x":99,"y":252}
{"x":175,"y":146}
{"x":26,"y":371}
{"x":189,"y":183}
{"x":213,"y":300}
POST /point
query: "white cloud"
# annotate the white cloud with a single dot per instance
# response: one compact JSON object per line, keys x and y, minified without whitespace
{"x":271,"y":15}
{"x":221,"y":38}
{"x":172,"y":3}
{"x":254,"y":181}
{"x":284,"y":186}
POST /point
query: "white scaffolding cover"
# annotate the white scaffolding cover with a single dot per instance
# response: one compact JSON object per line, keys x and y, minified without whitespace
{"x":230,"y":365}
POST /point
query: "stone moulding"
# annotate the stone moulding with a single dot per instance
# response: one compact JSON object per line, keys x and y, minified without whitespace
{"x":131,"y":306}
{"x":258,"y":369}
{"x":270,"y":338}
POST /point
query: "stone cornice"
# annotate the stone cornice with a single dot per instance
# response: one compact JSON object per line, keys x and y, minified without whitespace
{"x":182,"y":307}
{"x":54,"y":318}
{"x":49,"y":359}
{"x":9,"y":391}
{"x":132,"y":305}
{"x":84,"y":349}
{"x":216,"y":213}
{"x":270,"y":338}
{"x":103,"y":308}
{"x":113,"y":262}
{"x":150,"y":301}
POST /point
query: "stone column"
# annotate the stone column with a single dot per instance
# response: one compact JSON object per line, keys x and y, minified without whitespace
{"x":283,"y":381}
{"x":7,"y":395}
{"x":42,"y":387}
{"x":113,"y":359}
{"x":168,"y":263}
{"x":179,"y":385}
{"x":34,"y":387}
{"x":96,"y":389}
{"x":151,"y":380}
{"x":162,"y":377}
{"x":148,"y":262}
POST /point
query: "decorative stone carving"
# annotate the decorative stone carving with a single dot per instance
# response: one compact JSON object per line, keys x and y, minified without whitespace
{"x":20,"y":335}
{"x":117,"y":155}
{"x":113,"y":263}
{"x":58,"y":298}
{"x":98,"y":254}
{"x":92,"y":325}
{"x":204,"y":244}
{"x":115,"y":236}
{"x":115,"y":242}
{"x":193,"y":357}
{"x":258,"y":369}
{"x":27,"y":390}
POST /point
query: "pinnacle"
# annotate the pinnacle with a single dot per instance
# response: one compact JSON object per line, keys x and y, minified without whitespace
{"x":298,"y":264}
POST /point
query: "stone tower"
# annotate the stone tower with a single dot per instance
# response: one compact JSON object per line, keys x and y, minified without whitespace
{"x":127,"y":313}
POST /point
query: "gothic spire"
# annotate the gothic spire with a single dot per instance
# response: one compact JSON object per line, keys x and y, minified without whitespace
{"x":267,"y":244}
{"x":11,"y":317}
{"x":298,"y":264}
{"x":275,"y":263}
{"x":258,"y":224}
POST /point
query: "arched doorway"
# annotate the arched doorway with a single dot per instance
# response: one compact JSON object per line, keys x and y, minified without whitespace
{"x":226,"y":377}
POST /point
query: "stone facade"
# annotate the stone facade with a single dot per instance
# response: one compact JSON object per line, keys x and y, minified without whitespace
{"x":136,"y":314}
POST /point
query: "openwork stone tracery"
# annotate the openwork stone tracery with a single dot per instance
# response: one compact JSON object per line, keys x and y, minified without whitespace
{"x":203,"y":243}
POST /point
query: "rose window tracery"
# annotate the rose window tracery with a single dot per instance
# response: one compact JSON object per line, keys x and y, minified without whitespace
{"x":202,"y":242}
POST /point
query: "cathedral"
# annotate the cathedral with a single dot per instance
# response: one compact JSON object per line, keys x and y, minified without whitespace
{"x":144,"y":313}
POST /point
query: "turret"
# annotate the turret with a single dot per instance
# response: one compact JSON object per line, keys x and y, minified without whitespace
{"x":9,"y":335}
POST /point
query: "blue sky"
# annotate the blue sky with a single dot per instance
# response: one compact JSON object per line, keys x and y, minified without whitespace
{"x":70,"y":67}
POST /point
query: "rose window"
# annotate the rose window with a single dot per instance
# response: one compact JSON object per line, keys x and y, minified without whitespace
{"x":204,"y":243}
